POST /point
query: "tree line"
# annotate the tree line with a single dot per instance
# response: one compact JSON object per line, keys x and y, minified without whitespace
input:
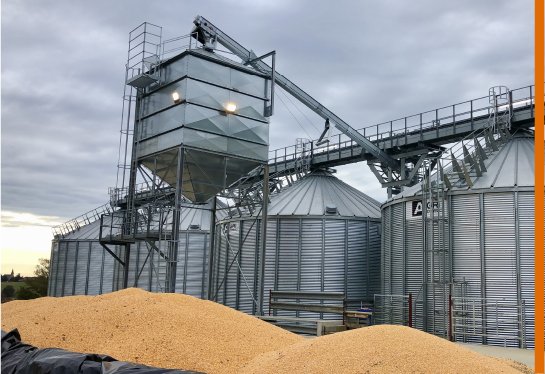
{"x":33,"y":287}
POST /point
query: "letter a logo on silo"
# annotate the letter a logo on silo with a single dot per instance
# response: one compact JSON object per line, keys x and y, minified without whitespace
{"x":417,"y":208}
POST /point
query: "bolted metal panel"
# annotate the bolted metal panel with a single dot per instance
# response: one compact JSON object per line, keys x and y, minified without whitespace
{"x":271,"y":259}
{"x":53,"y":271}
{"x":220,"y":146}
{"x":466,"y":248}
{"x":247,"y":277}
{"x":310,"y":271}
{"x":500,"y":261}
{"x":81,"y":268}
{"x":397,"y":256}
{"x":526,"y":231}
{"x":95,"y":269}
{"x":61,"y":266}
{"x":374,"y":258}
{"x":414,"y":260}
{"x":358,"y":285}
{"x":386,"y":252}
{"x":192,"y":272}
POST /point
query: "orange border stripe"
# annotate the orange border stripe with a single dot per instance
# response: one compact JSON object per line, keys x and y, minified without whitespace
{"x":539,"y":183}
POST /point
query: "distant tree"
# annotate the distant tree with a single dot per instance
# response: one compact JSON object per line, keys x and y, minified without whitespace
{"x":8,"y":292}
{"x":39,"y":283}
{"x":17,"y":278}
{"x":4,"y":277}
{"x":26,"y":293}
{"x":42,"y":269}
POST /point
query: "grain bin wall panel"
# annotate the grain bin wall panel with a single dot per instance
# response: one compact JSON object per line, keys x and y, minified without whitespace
{"x":312,"y":251}
{"x":52,"y":289}
{"x":119,"y":269}
{"x":289,"y":258}
{"x":133,"y":265}
{"x":397,"y":243}
{"x":334,"y":255}
{"x":142,"y":270}
{"x":374,"y":258}
{"x":248,"y":268}
{"x":500,"y":263}
{"x":196,"y":264}
{"x":95,"y":269}
{"x":358,"y":263}
{"x":466,"y":248}
{"x":414,"y":275}
{"x":221,"y":263}
{"x":108,"y":272}
{"x":81,"y":269}
{"x":526,"y":215}
{"x":70,"y":268}
{"x":386,"y":259}
{"x":333,"y":259}
{"x":61,"y":265}
{"x":466,"y":242}
{"x":232,"y":281}
{"x":270,"y":260}
{"x":288,"y":255}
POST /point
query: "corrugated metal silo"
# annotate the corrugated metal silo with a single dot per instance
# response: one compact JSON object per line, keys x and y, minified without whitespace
{"x":322,"y":235}
{"x":81,"y":266}
{"x":489,"y":252}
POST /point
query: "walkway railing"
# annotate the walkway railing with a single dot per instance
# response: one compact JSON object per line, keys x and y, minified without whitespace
{"x":82,"y":220}
{"x":417,"y":124}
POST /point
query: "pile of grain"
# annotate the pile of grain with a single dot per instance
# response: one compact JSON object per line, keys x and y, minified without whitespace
{"x":377,"y":349}
{"x":163,"y":330}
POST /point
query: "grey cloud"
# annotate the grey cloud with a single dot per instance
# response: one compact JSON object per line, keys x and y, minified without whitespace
{"x":369,"y":62}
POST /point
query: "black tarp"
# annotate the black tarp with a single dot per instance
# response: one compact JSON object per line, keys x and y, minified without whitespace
{"x":21,"y":358}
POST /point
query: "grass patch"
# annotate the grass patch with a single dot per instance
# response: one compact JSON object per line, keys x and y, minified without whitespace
{"x":15,"y":285}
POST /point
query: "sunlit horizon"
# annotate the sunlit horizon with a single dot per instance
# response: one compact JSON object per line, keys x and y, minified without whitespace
{"x":26,"y":238}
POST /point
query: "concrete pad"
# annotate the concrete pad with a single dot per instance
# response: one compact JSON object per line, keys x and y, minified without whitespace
{"x":525,"y":356}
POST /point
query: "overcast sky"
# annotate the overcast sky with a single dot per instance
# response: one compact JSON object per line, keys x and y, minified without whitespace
{"x":368,"y":62}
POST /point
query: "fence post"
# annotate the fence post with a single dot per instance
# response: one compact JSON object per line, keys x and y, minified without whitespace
{"x":269,"y":301}
{"x":450,"y":317}
{"x":410,"y":310}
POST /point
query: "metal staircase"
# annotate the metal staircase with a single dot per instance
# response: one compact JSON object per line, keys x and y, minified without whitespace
{"x":457,"y":167}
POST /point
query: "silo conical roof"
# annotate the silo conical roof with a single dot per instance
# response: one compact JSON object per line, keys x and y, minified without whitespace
{"x":320,"y":193}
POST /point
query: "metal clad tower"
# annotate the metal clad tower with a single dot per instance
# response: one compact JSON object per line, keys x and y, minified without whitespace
{"x":200,"y":124}
{"x":212,"y":108}
{"x":488,"y":263}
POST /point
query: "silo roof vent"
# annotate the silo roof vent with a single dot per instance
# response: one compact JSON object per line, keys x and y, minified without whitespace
{"x":330,"y":209}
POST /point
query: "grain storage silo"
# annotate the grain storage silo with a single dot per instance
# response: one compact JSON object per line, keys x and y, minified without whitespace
{"x":476,"y":248}
{"x":322,"y":235}
{"x":81,"y":266}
